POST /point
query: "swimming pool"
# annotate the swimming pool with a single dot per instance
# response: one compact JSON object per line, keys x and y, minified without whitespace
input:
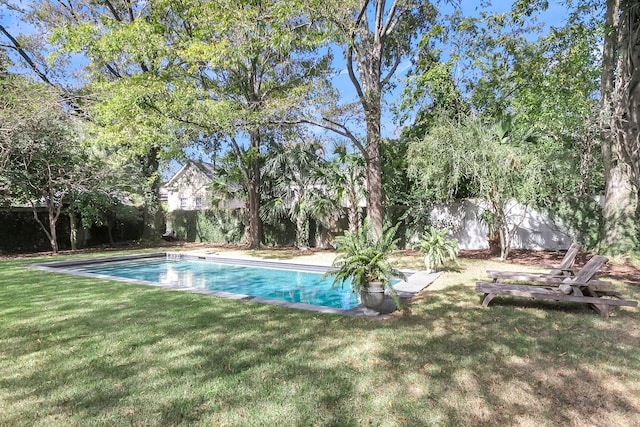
{"x":224,"y":277}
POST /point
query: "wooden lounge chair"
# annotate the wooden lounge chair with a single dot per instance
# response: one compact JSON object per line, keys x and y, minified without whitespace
{"x":579,"y":288}
{"x":564,"y":269}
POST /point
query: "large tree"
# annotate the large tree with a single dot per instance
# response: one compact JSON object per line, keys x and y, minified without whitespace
{"x":620,"y":98}
{"x":75,"y":36}
{"x":217,"y":74}
{"x":376,"y":36}
{"x":42,"y":157}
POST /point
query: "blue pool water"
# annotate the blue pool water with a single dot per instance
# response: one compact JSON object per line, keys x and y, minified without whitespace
{"x":273,"y":283}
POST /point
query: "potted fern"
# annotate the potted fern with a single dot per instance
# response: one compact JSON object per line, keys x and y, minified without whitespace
{"x":438,"y":249}
{"x":365,"y":262}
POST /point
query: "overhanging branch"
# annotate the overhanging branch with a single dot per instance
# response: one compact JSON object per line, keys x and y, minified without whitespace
{"x":335,"y":127}
{"x":18,"y":48}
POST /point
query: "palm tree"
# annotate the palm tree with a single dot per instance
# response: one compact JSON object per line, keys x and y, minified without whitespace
{"x":297,"y":173}
{"x":228,"y":185}
{"x":348,"y":180}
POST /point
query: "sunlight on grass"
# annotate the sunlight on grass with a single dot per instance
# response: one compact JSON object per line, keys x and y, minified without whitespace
{"x":80,"y":351}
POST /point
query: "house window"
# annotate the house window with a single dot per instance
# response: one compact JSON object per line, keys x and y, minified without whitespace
{"x":183,"y":203}
{"x":198,"y":202}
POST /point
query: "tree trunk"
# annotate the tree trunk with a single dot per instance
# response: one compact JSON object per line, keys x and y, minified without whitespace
{"x":627,"y":89}
{"x":253,"y":187}
{"x":353,"y":214}
{"x":53,"y":235}
{"x":619,"y":228}
{"x":254,"y":215}
{"x":374,"y":162}
{"x":110,"y":231}
{"x":374,"y":181}
{"x":50,"y":231}
{"x":302,"y":231}
{"x":153,"y":217}
{"x":73,"y":225}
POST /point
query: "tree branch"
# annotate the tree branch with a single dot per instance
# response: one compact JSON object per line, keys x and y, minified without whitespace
{"x":333,"y":126}
{"x":62,"y":93}
{"x":18,"y":48}
{"x":391,"y":72}
{"x":352,"y":75}
{"x":392,"y":20}
{"x":361,"y":15}
{"x":113,"y":10}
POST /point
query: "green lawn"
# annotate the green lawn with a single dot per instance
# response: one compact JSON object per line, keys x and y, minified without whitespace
{"x":81,"y":351}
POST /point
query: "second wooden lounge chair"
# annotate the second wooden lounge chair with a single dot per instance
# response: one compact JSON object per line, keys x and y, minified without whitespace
{"x":579,"y":288}
{"x":564,"y":269}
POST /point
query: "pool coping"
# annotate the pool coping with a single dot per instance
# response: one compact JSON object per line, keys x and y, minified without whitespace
{"x":405,"y":288}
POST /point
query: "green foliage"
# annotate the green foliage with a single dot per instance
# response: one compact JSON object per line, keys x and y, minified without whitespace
{"x":346,"y":177}
{"x":467,"y":152}
{"x":438,"y":248}
{"x":42,"y":157}
{"x":406,"y":204}
{"x":102,"y":209}
{"x":25,"y":232}
{"x":582,"y":214}
{"x":362,"y":259}
{"x":298,"y":181}
{"x":395,"y":182}
{"x":548,"y":85}
{"x":211,"y":225}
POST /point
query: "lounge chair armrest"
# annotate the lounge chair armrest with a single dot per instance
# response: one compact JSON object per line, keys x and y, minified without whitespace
{"x":561,"y":280}
{"x":506,"y":273}
{"x":525,"y":276}
{"x":550,"y":266}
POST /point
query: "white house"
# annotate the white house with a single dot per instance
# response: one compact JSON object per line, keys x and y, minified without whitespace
{"x":190,"y":188}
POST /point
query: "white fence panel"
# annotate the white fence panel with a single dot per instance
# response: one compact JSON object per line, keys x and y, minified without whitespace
{"x":535,"y":230}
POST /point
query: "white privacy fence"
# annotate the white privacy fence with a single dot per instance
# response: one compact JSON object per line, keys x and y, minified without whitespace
{"x":535,"y":230}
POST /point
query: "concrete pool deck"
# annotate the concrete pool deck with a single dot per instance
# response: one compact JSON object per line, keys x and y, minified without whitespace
{"x":306,"y":257}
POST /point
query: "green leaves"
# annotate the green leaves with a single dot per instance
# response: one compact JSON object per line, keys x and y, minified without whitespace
{"x":437,"y":248}
{"x":298,"y":186}
{"x":362,"y":259}
{"x":467,"y":154}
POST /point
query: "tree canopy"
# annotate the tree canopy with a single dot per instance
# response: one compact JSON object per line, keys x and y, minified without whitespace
{"x":43,"y":159}
{"x":494,"y":99}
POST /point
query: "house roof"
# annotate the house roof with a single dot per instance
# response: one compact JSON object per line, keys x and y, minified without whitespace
{"x":207,"y":170}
